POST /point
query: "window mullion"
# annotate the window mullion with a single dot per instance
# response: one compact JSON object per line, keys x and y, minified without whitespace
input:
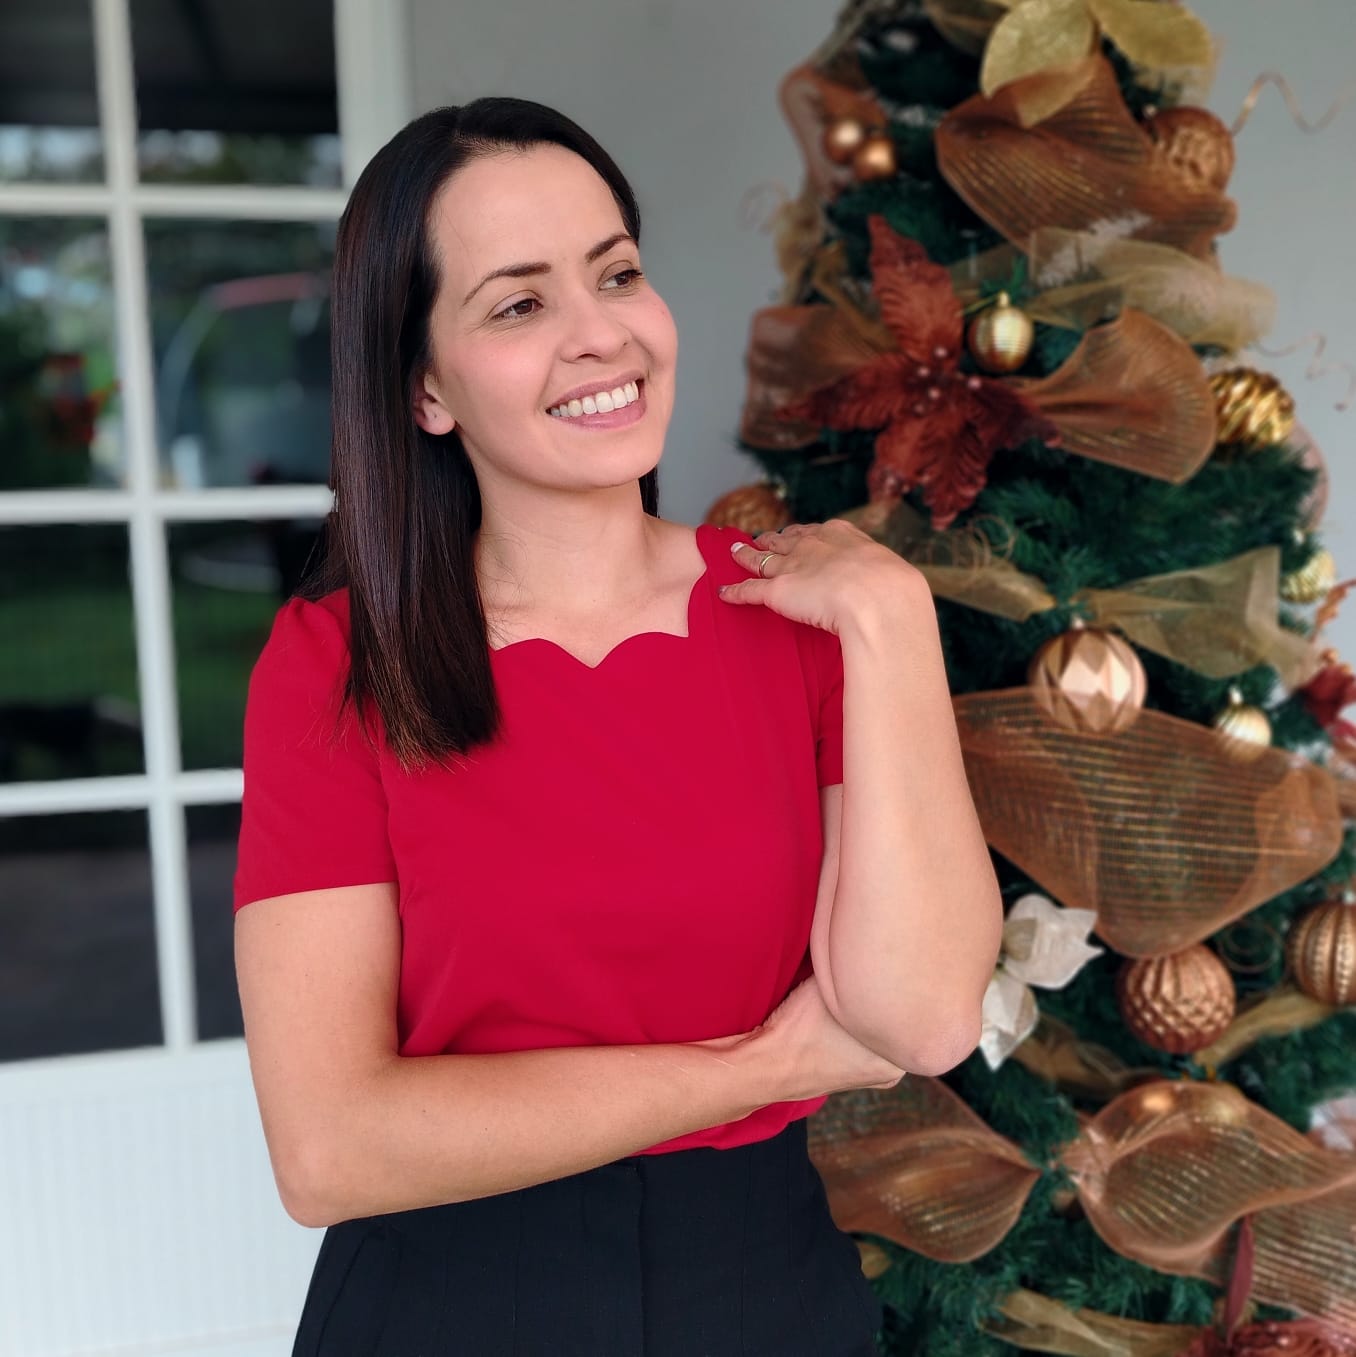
{"x":151,"y":600}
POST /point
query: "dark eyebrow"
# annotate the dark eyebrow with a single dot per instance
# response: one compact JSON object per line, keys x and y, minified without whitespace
{"x":526,"y":270}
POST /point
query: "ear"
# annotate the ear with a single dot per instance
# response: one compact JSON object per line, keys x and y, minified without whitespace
{"x":430,"y":413}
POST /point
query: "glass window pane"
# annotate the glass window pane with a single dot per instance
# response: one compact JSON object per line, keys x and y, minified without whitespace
{"x":240,"y":325}
{"x":68,"y":679}
{"x":60,"y":421}
{"x":229,"y":581}
{"x":219,"y":102}
{"x":77,"y":935}
{"x":212,"y":835}
{"x":49,"y":112}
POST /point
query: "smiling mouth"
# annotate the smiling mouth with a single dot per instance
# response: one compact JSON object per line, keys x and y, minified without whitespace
{"x":577,"y":412}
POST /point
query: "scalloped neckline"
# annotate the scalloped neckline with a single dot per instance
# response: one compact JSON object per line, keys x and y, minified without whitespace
{"x":628,"y":641}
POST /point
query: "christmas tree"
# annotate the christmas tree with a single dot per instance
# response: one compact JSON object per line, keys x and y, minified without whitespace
{"x":1007,"y":349}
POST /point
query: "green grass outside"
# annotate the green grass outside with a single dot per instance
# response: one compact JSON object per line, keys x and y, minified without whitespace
{"x":76,"y":641}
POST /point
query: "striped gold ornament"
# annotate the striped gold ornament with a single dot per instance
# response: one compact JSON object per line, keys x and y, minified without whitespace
{"x":1253,"y":408}
{"x":1320,"y":950}
{"x":1312,"y":580}
{"x":1246,"y":729}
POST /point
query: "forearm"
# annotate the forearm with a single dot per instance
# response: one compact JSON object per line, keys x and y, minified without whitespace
{"x":427,"y":1130}
{"x":916,"y":916}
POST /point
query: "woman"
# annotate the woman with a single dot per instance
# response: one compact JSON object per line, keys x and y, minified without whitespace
{"x":543,"y":800}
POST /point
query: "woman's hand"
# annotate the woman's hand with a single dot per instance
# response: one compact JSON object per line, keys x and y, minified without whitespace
{"x":825,"y":575}
{"x":808,"y":1053}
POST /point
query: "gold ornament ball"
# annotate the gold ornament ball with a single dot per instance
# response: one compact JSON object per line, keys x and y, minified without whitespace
{"x":1198,"y":145}
{"x":1000,"y":336}
{"x":1177,"y":1003}
{"x":874,"y":1260}
{"x":1253,"y":408}
{"x":842,"y":137}
{"x":1312,"y":580}
{"x":752,"y":509}
{"x":1089,"y":680}
{"x":1246,"y":729}
{"x":875,"y":158}
{"x":1320,"y":950}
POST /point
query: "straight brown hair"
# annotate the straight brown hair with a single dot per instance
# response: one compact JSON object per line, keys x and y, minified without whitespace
{"x":400,"y":538}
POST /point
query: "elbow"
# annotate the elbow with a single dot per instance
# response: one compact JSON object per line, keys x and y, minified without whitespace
{"x":947,"y":1047}
{"x":307,"y":1180}
{"x":928,"y":1041}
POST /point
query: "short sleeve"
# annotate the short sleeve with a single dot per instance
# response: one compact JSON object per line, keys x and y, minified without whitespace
{"x":824,"y":690}
{"x":313,"y":813}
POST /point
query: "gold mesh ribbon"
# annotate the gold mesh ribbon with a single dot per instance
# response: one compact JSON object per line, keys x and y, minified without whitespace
{"x":1164,"y":1172}
{"x":1195,"y":299}
{"x":1133,"y":395}
{"x":1216,"y":619}
{"x":916,"y":1165}
{"x":1156,"y":827}
{"x":1083,"y":278}
{"x":1086,"y":165}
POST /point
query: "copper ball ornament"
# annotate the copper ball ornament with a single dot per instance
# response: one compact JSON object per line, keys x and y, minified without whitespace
{"x":1177,"y":1003}
{"x":875,"y":158}
{"x":1000,"y":336}
{"x":1320,"y":950}
{"x":1253,"y":408}
{"x":752,"y":509}
{"x":1089,"y":680}
{"x":1196,"y":144}
{"x":841,"y":139}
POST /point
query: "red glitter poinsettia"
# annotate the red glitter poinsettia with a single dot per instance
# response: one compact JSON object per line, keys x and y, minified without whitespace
{"x":939,"y":427}
{"x":1324,"y":697}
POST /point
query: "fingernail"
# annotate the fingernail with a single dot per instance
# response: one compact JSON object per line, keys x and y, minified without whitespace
{"x":734,"y":546}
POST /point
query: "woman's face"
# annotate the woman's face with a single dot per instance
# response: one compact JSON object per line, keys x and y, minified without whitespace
{"x":508,"y":352}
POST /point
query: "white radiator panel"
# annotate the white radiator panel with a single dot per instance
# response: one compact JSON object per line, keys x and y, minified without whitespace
{"x":138,"y":1212}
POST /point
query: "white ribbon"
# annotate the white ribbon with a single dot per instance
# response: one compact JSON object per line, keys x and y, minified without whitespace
{"x":1043,"y":944}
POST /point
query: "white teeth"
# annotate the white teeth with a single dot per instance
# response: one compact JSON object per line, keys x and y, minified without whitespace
{"x":600,"y":402}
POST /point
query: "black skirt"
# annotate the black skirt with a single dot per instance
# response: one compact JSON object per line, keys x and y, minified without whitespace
{"x":694,"y":1253}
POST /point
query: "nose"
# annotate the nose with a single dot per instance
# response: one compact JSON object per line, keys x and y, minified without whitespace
{"x":593,"y":324}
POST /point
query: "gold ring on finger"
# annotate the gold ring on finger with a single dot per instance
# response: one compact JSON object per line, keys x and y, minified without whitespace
{"x":767,"y":556}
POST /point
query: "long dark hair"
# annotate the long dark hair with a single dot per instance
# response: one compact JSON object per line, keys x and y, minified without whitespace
{"x":407,"y":505}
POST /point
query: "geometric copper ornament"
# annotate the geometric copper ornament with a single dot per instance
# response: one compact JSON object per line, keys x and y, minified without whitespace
{"x":1154,"y":827}
{"x":1177,"y":1003}
{"x":1089,"y":679}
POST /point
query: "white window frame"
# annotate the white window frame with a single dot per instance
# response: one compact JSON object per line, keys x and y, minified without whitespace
{"x":374,"y":84}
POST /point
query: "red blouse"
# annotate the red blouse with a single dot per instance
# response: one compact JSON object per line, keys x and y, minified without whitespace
{"x":634,"y":858}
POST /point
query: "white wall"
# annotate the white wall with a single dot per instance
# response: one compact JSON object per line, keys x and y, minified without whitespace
{"x":683,"y":95}
{"x":1296,"y":195}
